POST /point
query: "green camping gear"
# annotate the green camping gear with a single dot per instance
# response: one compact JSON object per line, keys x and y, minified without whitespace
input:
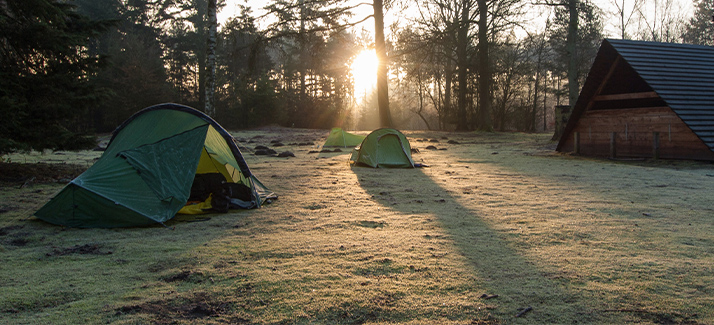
{"x":340,"y":138}
{"x":384,"y":148}
{"x":146,"y":173}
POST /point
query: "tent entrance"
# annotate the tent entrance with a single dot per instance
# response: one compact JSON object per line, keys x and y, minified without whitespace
{"x":390,"y":152}
{"x":210,"y":163}
{"x":218,"y":185}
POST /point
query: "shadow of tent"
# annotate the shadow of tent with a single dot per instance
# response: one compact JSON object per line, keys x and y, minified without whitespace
{"x":498,"y":267}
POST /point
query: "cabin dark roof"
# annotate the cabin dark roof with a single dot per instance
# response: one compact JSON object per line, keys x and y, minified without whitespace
{"x":682,"y":76}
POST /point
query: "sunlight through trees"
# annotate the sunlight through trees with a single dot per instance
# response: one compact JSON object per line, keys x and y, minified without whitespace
{"x":444,"y":64}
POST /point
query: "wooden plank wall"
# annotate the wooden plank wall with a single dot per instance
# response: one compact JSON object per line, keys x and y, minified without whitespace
{"x":634,"y":129}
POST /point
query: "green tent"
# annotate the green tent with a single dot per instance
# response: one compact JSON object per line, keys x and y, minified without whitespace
{"x":340,"y":138}
{"x":384,"y":148}
{"x":146,"y":173}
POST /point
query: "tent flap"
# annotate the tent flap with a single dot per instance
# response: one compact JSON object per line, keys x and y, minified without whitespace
{"x":168,"y":166}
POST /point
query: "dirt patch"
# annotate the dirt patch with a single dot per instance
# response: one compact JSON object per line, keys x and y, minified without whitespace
{"x":198,"y":306}
{"x":185,"y":276}
{"x":7,"y":230}
{"x":371,"y":224}
{"x":18,"y":241}
{"x":14,"y":238}
{"x":39,"y":172}
{"x":86,"y":249}
{"x":4,"y":209}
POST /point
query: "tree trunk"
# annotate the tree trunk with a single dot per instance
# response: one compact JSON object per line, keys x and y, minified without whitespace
{"x":385,"y":118}
{"x":484,"y":81}
{"x":210,"y":108}
{"x":534,"y":116}
{"x":545,"y":102}
{"x":302,"y":65}
{"x":462,"y":63}
{"x":421,"y":104}
{"x":448,"y":82}
{"x":571,"y":46}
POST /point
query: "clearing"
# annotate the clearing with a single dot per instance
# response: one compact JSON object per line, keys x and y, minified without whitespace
{"x":500,"y":229}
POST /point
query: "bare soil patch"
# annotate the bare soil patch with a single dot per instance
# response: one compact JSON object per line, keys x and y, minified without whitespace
{"x":19,"y":173}
{"x":196,"y":307}
{"x":92,"y":249}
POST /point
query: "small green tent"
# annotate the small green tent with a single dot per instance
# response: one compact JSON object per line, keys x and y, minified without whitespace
{"x":384,"y":148}
{"x":146,"y":173}
{"x":340,"y":138}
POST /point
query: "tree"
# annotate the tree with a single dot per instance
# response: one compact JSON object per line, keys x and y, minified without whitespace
{"x":210,"y":108}
{"x":511,"y":70}
{"x":447,"y":26}
{"x":537,"y":44}
{"x":135,"y":75}
{"x":569,"y":8}
{"x":247,"y":96}
{"x":303,"y":34}
{"x":385,"y":117}
{"x":625,"y":14}
{"x":45,"y":90}
{"x":575,"y":37}
{"x":663,"y":21}
{"x":700,"y":28}
{"x":418,"y":89}
{"x":565,"y":38}
{"x":462,"y":62}
{"x":484,"y":82}
{"x":465,"y":31}
{"x":438,"y":23}
{"x":571,"y":48}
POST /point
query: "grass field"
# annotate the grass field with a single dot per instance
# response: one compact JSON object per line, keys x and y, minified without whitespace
{"x":500,"y":229}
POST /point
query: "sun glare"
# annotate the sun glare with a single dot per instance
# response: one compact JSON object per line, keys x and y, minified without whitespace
{"x":364,"y":72}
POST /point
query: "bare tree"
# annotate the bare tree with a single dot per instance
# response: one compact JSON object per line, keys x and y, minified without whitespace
{"x":439,"y":20}
{"x":661,"y":21}
{"x":538,"y":45}
{"x":625,"y":14}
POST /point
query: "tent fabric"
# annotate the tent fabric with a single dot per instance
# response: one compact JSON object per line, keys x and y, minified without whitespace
{"x":386,"y":148}
{"x":150,"y":162}
{"x":145,"y":175}
{"x":340,"y":138}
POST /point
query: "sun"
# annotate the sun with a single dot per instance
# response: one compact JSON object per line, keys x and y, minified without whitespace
{"x":364,"y":72}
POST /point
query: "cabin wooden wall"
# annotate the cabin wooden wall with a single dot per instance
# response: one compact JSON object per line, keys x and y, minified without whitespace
{"x":634,"y":130}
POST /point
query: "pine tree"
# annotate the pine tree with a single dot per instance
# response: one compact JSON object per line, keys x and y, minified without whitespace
{"x":700,"y":29}
{"x":44,"y":79}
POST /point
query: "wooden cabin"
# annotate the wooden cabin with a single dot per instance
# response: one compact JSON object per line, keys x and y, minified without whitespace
{"x":645,"y":99}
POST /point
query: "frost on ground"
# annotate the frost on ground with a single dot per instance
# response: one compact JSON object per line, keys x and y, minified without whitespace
{"x":498,"y":223}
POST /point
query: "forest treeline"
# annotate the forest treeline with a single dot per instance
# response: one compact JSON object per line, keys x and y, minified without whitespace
{"x":72,"y":68}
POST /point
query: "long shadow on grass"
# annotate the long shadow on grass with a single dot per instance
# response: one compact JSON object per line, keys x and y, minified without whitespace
{"x":498,"y":267}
